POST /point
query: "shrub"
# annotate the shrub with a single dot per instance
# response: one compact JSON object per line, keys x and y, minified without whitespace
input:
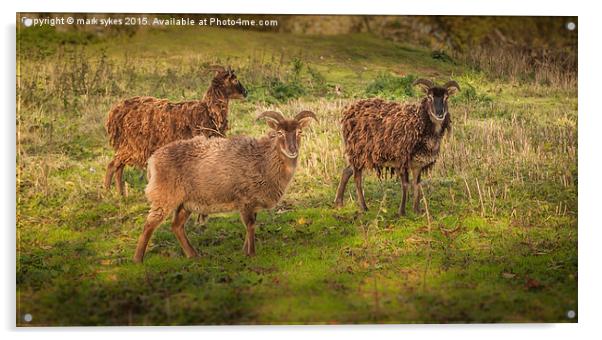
{"x":317,"y":82}
{"x":390,"y":87}
{"x":284,"y":91}
{"x":469,"y":94}
{"x":42,"y":41}
{"x":442,"y":56}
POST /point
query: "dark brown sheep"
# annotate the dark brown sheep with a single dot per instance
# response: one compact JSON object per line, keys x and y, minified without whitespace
{"x":140,"y":125}
{"x":395,"y":137}
{"x":212,"y":175}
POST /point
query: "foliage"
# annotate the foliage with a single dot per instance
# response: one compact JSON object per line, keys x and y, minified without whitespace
{"x":390,"y":87}
{"x":499,"y":242}
{"x":469,"y":94}
{"x":43,"y":41}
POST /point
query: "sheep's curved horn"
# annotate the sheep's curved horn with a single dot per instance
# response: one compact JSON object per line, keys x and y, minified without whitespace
{"x":276,"y":116}
{"x":452,"y":83}
{"x":425,"y":82}
{"x":306,"y":114}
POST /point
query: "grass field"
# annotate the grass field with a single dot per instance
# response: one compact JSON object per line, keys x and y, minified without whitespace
{"x":498,"y":242}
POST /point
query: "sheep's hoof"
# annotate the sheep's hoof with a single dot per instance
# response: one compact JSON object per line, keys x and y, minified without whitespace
{"x":249,"y":252}
{"x":338,"y":204}
{"x":137,"y":259}
{"x":401,"y":213}
{"x":246,"y":249}
{"x":202,"y":219}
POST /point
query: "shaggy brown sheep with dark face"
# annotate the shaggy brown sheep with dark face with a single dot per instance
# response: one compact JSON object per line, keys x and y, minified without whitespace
{"x":396,"y":137}
{"x":138,"y":126}
{"x":213,"y":175}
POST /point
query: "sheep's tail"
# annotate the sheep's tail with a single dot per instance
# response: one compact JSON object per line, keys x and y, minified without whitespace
{"x":150,"y":171}
{"x":114,"y":126}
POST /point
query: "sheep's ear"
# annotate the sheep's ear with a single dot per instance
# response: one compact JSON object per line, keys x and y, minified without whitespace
{"x":273,"y":118}
{"x":305,"y":117}
{"x":272,"y":124}
{"x":424,"y":89}
{"x":304,"y":122}
{"x":271,"y":121}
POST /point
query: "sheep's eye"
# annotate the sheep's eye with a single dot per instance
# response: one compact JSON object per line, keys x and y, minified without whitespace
{"x":280,"y":133}
{"x":299,"y":132}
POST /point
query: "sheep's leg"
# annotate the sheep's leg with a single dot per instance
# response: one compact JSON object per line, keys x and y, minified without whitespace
{"x":416,"y":189}
{"x":347,"y":172}
{"x":109,"y":175}
{"x":180,"y":217}
{"x":202,"y":219}
{"x":357,"y":176}
{"x":248,"y":218}
{"x":405,"y":183}
{"x":153,"y":220}
{"x":119,"y":179}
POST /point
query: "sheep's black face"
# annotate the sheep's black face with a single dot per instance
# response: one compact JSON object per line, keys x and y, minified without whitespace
{"x":437,"y":102}
{"x":436,"y":97}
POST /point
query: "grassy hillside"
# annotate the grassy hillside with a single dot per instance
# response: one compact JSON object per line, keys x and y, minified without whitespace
{"x":498,"y":242}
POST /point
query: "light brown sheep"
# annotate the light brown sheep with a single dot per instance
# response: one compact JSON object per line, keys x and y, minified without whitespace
{"x":212,"y":175}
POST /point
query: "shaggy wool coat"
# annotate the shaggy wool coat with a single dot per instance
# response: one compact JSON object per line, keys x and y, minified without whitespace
{"x":140,"y":125}
{"x":381,"y":135}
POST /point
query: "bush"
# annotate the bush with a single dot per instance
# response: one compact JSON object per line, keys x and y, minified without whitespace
{"x":442,"y":56}
{"x":317,"y":82}
{"x":42,"y":41}
{"x":284,"y":91}
{"x":469,"y":94}
{"x":390,"y":87}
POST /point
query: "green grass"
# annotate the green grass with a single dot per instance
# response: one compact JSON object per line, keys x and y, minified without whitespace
{"x":499,"y":243}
